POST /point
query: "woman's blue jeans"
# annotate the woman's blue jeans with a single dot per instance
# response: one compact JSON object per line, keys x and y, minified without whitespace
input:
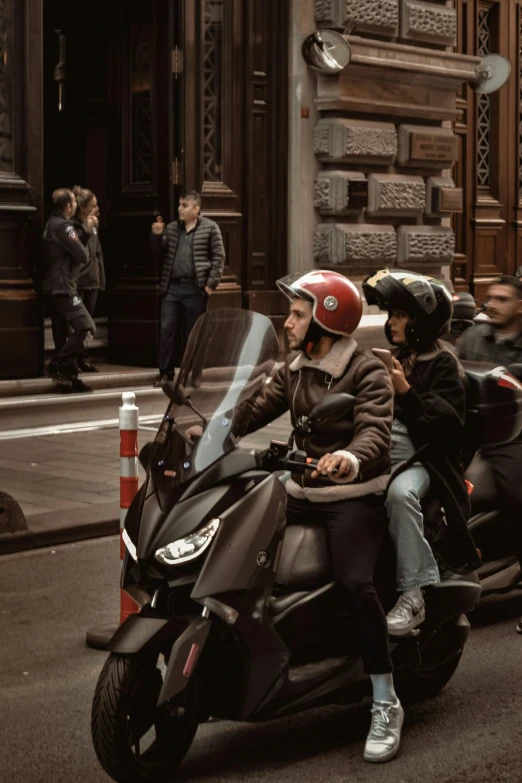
{"x":416,"y":565}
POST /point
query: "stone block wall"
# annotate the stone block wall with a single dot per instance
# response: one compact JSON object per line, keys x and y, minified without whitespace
{"x":384,"y":138}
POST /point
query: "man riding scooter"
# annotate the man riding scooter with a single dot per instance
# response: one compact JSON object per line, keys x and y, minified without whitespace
{"x":345,"y":491}
{"x":500,"y":341}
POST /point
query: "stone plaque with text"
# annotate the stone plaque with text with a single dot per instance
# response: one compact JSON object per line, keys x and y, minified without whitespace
{"x":434,"y":147}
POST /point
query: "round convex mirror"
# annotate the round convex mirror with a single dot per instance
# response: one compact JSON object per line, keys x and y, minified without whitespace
{"x":327,"y":52}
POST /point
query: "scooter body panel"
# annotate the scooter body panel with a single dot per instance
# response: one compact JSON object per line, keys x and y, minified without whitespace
{"x":244,"y":551}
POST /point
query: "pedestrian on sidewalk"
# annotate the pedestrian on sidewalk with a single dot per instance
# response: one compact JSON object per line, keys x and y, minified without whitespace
{"x":193,"y":253}
{"x":64,"y":253}
{"x":92,"y":273}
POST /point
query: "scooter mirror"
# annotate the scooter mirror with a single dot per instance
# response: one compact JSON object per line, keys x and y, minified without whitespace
{"x":516,"y":370}
{"x":331,"y":408}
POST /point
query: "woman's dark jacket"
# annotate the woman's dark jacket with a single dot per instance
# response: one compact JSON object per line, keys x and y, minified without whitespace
{"x":92,"y":271}
{"x":434,"y":410}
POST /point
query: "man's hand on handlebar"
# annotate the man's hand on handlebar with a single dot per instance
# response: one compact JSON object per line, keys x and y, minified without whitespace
{"x":330,"y":463}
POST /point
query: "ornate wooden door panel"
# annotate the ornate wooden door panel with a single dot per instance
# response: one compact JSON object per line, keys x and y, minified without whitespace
{"x":489,"y":169}
{"x":234,"y":143}
{"x":140,"y":173}
{"x":21,"y":333}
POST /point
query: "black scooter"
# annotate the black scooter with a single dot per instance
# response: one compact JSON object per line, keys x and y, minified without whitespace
{"x":492,"y":532}
{"x":241,"y":618}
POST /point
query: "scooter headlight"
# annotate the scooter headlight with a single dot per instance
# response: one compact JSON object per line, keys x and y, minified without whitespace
{"x":190,"y":547}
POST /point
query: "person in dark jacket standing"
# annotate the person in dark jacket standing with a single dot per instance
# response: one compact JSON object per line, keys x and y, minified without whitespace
{"x":64,"y":253}
{"x":193,"y":264}
{"x":430,"y":406}
{"x":92,"y":273}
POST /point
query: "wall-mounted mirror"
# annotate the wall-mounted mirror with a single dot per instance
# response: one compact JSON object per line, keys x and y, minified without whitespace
{"x":327,"y":52}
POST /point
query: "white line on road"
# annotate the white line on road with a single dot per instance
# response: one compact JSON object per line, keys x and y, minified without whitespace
{"x":83,"y":426}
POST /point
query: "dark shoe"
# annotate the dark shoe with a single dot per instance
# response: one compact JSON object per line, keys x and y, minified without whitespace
{"x":79,"y":386}
{"x":58,"y":375}
{"x":86,"y":366}
{"x":161,"y":380}
{"x":519,"y":626}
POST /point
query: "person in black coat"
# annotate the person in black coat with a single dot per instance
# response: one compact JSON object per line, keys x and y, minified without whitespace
{"x":427,"y":437}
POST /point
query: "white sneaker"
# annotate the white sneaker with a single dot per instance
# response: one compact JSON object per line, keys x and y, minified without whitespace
{"x":384,"y":737}
{"x":406,"y":615}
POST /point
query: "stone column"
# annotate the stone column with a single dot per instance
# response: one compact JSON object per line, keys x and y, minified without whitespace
{"x":302,"y":165}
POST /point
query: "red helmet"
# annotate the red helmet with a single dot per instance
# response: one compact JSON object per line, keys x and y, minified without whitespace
{"x":337,"y":304}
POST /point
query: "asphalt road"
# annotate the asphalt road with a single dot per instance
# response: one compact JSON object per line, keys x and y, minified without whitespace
{"x":470,"y":732}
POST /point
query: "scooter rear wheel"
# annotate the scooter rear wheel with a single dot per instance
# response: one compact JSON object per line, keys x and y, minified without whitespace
{"x":135,"y":741}
{"x":425,"y":683}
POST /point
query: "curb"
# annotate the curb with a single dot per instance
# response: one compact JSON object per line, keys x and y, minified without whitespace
{"x":38,"y":536}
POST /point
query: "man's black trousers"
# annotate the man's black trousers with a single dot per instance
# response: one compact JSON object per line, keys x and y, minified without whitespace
{"x":72,"y":327}
{"x":505,"y":462}
{"x":355,"y":530}
{"x":180,"y":309}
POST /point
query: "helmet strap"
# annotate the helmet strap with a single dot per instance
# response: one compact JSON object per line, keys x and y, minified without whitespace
{"x":313,"y":334}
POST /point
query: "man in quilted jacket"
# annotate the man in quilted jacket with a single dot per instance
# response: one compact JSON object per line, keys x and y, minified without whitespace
{"x":193,"y":259}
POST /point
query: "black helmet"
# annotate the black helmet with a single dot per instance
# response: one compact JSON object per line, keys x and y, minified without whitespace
{"x":464,"y":307}
{"x":426,"y":300}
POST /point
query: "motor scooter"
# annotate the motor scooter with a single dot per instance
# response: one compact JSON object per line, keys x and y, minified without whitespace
{"x":491,"y":530}
{"x":241,"y":618}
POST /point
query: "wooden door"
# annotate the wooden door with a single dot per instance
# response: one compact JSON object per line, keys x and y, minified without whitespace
{"x":489,"y":230}
{"x":144,"y":101}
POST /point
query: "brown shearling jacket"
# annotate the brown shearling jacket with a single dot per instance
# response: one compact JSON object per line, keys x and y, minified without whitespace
{"x":301,"y":383}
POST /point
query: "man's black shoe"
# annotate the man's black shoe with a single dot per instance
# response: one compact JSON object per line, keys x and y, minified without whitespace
{"x":58,"y":375}
{"x":86,"y":366}
{"x":79,"y":386}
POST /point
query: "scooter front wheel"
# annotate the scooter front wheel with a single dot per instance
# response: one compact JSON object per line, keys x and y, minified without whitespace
{"x":135,"y":741}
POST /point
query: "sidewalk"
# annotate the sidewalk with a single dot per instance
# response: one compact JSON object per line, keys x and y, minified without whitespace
{"x":68,"y":484}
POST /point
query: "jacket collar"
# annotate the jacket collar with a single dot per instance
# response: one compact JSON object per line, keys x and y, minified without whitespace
{"x":334,"y":363}
{"x":182,"y":225}
{"x":489,"y":334}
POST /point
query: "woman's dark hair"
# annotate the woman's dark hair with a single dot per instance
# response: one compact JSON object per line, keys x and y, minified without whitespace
{"x":83,"y":196}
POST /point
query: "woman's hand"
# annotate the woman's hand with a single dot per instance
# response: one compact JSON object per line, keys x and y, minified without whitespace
{"x":329,"y":462}
{"x":400,"y":384}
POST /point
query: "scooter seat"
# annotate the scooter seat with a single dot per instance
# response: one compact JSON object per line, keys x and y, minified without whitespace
{"x":485,"y":495}
{"x":305,"y":559}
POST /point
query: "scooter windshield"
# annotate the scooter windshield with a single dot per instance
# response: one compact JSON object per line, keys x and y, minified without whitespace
{"x":229,"y":357}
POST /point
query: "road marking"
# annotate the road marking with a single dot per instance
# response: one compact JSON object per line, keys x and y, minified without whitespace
{"x":82,"y":426}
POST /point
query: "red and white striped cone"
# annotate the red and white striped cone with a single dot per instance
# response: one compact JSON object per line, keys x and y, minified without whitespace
{"x":129,"y":422}
{"x":99,"y":637}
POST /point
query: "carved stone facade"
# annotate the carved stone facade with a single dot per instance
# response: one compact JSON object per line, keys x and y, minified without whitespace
{"x":378,"y":16}
{"x":359,"y":246}
{"x":430,"y":245}
{"x":392,"y":194}
{"x":332,"y":192}
{"x":428,"y":22}
{"x":363,"y":141}
{"x":387,"y":117}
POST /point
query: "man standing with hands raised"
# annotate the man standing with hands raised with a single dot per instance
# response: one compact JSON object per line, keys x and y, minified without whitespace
{"x":194,"y":256}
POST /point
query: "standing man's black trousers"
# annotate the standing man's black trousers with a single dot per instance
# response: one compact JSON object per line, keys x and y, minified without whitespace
{"x":73,"y":328}
{"x":181,"y":307}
